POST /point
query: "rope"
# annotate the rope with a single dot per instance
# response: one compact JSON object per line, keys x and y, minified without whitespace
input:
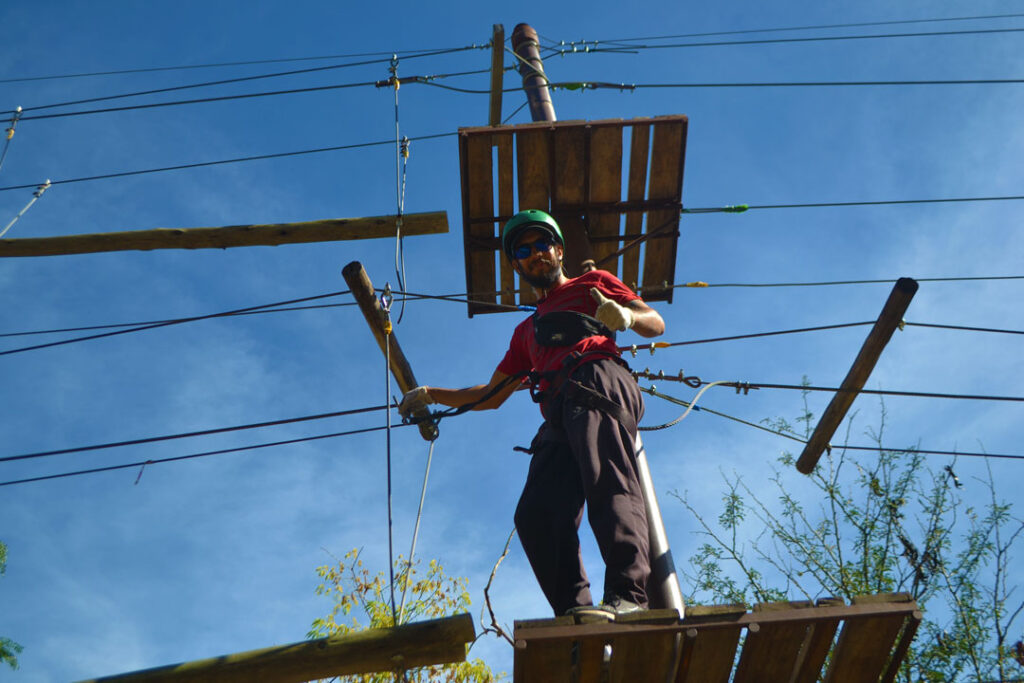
{"x":416,"y":531}
{"x":35,"y":196}
{"x":385,"y":304}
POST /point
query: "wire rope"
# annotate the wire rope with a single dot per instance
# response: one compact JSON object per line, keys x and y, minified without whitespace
{"x":385,"y":305}
{"x":167,"y":323}
{"x":1008,"y":456}
{"x":155,"y":461}
{"x":184,"y":67}
{"x":186,"y":435}
{"x":237,"y":160}
{"x":416,"y":531}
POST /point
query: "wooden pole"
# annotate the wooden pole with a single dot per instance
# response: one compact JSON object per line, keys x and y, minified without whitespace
{"x":362,"y":289}
{"x":888,"y":320}
{"x":497,"y":74}
{"x":434,"y":222}
{"x":438,"y":641}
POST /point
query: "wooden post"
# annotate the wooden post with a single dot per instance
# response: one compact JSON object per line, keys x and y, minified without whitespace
{"x":362,"y":289}
{"x":438,"y":641}
{"x":888,"y":320}
{"x":497,"y":74}
{"x":275,"y":234}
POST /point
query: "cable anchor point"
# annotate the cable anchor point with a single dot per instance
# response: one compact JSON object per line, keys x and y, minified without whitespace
{"x":14,"y":122}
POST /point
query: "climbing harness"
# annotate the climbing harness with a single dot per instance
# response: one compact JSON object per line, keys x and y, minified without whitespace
{"x":565,"y":328}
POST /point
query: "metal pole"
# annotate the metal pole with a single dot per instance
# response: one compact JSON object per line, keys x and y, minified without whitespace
{"x":663,"y":585}
{"x":526,"y":45}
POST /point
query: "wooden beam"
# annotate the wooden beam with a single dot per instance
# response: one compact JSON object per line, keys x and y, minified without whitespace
{"x":438,"y":641}
{"x":330,"y":230}
{"x":888,"y":320}
{"x":362,"y":289}
{"x":497,"y":74}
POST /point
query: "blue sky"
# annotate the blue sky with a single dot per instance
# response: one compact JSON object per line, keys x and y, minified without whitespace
{"x":217,"y":554}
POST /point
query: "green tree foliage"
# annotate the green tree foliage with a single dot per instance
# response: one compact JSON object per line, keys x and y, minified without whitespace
{"x":9,"y":650}
{"x":886,"y":521}
{"x":363,"y":600}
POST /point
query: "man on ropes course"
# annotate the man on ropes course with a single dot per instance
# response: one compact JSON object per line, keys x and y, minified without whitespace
{"x":584,"y":450}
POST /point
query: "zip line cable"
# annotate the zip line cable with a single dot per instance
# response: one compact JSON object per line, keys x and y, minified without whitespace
{"x":416,"y":531}
{"x":740,"y":208}
{"x":156,"y":461}
{"x":706,"y":285}
{"x":653,"y":392}
{"x":203,"y":164}
{"x":35,"y":196}
{"x":186,"y":435}
{"x":241,"y":63}
{"x":809,"y":28}
{"x":401,"y":165}
{"x":240,"y":96}
{"x":817,"y":39}
{"x":226,"y":81}
{"x":167,"y":323}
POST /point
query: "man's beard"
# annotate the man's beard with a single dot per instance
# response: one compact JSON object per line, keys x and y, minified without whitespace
{"x":544,"y":280}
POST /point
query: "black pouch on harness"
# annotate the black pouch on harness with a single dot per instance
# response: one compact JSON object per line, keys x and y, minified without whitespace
{"x":565,"y":328}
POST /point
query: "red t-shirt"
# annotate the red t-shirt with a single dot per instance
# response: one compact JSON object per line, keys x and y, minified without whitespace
{"x":524,"y":353}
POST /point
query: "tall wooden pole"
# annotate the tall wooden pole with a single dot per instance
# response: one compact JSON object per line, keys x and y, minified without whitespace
{"x":888,"y":320}
{"x":497,"y":74}
{"x":362,"y":289}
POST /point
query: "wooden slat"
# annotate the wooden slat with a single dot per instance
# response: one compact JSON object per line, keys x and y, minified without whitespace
{"x":771,"y":653}
{"x":863,"y":648}
{"x":506,"y":207}
{"x":637,"y":188}
{"x":541,"y":661}
{"x":643,"y":659}
{"x":666,"y":180}
{"x":605,"y":186}
{"x":568,"y":189}
{"x":480,"y":190}
{"x":816,"y":648}
{"x":533,"y":172}
{"x":711,"y":654}
{"x":276,"y":234}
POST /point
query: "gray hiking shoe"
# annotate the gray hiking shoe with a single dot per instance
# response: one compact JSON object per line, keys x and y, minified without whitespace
{"x":590,"y":614}
{"x":619,"y":607}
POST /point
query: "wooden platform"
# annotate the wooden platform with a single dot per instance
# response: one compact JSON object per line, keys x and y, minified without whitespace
{"x":607,"y":183}
{"x":786,"y":642}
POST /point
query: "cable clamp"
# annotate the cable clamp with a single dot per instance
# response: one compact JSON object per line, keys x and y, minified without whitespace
{"x":41,"y":189}
{"x":736,"y":208}
{"x":902,"y":325}
{"x":696,"y":283}
{"x":404,"y":147}
{"x":386,"y":299}
{"x":744,"y":387}
{"x":14,"y":122}
{"x":632,"y":350}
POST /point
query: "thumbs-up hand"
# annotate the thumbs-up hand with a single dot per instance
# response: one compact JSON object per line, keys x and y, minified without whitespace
{"x":612,"y":314}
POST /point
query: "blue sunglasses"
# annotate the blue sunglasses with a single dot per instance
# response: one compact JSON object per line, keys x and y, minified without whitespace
{"x":541,"y":245}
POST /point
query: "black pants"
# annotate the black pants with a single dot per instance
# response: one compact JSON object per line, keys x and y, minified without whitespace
{"x":582,"y":455}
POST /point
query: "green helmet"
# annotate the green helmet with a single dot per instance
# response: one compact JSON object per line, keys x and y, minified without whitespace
{"x":530,"y":219}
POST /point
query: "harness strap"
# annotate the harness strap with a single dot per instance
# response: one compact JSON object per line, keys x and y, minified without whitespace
{"x":587,"y":397}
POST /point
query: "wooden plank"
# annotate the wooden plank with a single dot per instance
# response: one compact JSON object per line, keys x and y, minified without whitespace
{"x":439,"y":641}
{"x":506,"y":207}
{"x":711,"y":654}
{"x":864,"y":648}
{"x":820,"y":635}
{"x":771,"y":653}
{"x":643,"y":659}
{"x":605,"y":186}
{"x":479,"y":204}
{"x":329,"y":230}
{"x":666,"y":182}
{"x":534,"y":171}
{"x":541,"y":661}
{"x":637,"y":188}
